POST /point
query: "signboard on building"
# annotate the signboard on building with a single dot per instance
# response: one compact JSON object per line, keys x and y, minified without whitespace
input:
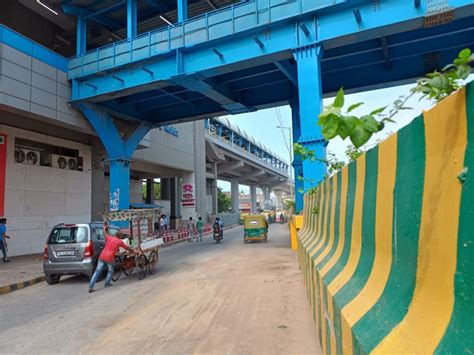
{"x":3,"y":171}
{"x":187,"y":195}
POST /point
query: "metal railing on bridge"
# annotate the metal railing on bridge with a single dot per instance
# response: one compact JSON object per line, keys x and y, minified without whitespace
{"x":210,"y":26}
{"x":244,"y":144}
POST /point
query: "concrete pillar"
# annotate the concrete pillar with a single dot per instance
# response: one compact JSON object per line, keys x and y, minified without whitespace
{"x":214,"y":189}
{"x":308,"y":61}
{"x":165,"y":189}
{"x":200,"y":168}
{"x":174,"y":202}
{"x":279,"y":200}
{"x":150,"y":191}
{"x":253,"y":198}
{"x":235,"y":195}
{"x":97,"y":180}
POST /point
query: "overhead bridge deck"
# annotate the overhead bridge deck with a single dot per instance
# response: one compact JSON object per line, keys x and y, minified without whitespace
{"x":264,"y":53}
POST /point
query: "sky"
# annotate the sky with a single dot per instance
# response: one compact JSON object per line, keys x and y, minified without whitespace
{"x":262,"y":124}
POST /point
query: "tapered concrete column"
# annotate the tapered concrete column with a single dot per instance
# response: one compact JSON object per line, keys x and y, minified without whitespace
{"x":150,"y":191}
{"x":235,"y":194}
{"x":253,"y":198}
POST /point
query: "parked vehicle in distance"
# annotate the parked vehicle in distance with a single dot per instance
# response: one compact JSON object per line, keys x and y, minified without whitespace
{"x":73,"y":249}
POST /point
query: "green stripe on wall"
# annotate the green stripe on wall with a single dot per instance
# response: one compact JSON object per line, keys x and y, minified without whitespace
{"x":459,"y":338}
{"x":393,"y":304}
{"x":336,"y":269}
{"x":366,"y":260}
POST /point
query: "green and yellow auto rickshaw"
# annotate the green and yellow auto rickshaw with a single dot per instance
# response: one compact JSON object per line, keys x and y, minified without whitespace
{"x":255,"y":228}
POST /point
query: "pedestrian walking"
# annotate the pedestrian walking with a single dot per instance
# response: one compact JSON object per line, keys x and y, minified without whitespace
{"x":191,"y":229}
{"x":107,"y":258}
{"x":3,"y":239}
{"x":162,"y":224}
{"x":199,"y":227}
{"x":166,"y":221}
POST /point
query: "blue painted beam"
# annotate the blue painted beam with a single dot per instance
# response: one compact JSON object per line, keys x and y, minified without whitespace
{"x":131,"y":19}
{"x":310,"y":105}
{"x":288,"y":70}
{"x":242,"y":49}
{"x":90,"y":15}
{"x":182,"y":10}
{"x":81,"y":36}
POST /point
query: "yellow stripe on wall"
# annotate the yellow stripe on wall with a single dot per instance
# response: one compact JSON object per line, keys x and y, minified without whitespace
{"x":346,"y":273}
{"x":429,"y":313}
{"x":373,"y":289}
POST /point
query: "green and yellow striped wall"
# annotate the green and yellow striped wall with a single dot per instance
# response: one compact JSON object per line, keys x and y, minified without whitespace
{"x":388,"y":261}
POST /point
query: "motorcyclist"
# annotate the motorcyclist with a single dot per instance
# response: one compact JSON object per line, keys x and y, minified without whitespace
{"x":218,"y":224}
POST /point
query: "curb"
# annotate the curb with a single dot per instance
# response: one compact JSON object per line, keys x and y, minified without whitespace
{"x":19,"y":285}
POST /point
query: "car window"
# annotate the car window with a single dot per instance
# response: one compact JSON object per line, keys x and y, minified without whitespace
{"x":63,"y":235}
{"x":99,"y":232}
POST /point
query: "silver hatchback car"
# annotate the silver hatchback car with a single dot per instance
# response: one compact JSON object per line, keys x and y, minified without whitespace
{"x":73,"y":249}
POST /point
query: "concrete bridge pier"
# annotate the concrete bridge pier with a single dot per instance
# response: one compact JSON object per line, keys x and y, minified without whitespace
{"x":253,"y":198}
{"x":235,"y":194}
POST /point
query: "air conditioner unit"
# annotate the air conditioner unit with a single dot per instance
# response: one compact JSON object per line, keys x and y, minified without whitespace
{"x":27,"y":156}
{"x":62,"y":162}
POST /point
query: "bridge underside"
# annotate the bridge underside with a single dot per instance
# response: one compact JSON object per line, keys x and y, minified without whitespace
{"x":263,"y":83}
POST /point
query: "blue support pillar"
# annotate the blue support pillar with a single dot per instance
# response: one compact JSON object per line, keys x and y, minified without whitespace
{"x":297,"y":163}
{"x":119,"y":151}
{"x":308,"y":59}
{"x":81,"y":36}
{"x":131,"y":18}
{"x":182,"y":10}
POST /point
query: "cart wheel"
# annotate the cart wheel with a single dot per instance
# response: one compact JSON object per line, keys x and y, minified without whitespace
{"x":117,"y":268}
{"x":128,"y":263}
{"x":153,"y":262}
{"x":142,"y":263}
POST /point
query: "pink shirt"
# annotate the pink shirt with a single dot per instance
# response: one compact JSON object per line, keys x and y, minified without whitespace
{"x":112,"y":244}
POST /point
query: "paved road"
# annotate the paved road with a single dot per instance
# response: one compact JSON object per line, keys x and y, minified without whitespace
{"x":231,"y":298}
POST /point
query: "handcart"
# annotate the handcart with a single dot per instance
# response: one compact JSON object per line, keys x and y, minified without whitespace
{"x":138,"y":226}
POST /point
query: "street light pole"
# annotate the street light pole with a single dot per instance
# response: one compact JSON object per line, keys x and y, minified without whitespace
{"x":290,"y":149}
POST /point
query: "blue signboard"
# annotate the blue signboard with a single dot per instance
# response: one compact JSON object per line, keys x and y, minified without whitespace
{"x":170,"y":130}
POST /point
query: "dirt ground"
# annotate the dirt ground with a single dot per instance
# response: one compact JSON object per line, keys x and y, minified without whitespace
{"x":232,"y":298}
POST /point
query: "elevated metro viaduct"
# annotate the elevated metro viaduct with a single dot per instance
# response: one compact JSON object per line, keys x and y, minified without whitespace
{"x":252,"y":55}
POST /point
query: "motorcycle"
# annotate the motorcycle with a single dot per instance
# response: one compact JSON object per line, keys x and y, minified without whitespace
{"x":217,"y":233}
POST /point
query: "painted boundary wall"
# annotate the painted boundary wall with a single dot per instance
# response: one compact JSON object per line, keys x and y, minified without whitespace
{"x":388,"y":261}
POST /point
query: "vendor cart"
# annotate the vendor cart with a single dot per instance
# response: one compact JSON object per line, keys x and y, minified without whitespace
{"x":138,"y":228}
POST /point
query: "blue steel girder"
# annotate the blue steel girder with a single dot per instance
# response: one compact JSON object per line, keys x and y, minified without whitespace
{"x":94,"y":16}
{"x":331,"y":28}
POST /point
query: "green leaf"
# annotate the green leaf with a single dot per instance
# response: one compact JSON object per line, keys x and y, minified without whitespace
{"x":380,"y":110}
{"x":339,"y":101}
{"x":465,"y":53}
{"x":353,"y":107}
{"x":464,"y":71}
{"x":343,"y":130}
{"x":360,"y":136}
{"x":370,"y":124}
{"x":447,"y":67}
{"x":329,"y":129}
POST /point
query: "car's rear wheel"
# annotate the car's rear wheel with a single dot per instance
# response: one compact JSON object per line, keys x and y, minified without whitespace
{"x":52,"y":279}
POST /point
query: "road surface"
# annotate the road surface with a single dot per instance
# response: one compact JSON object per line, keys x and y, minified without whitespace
{"x":231,"y":298}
